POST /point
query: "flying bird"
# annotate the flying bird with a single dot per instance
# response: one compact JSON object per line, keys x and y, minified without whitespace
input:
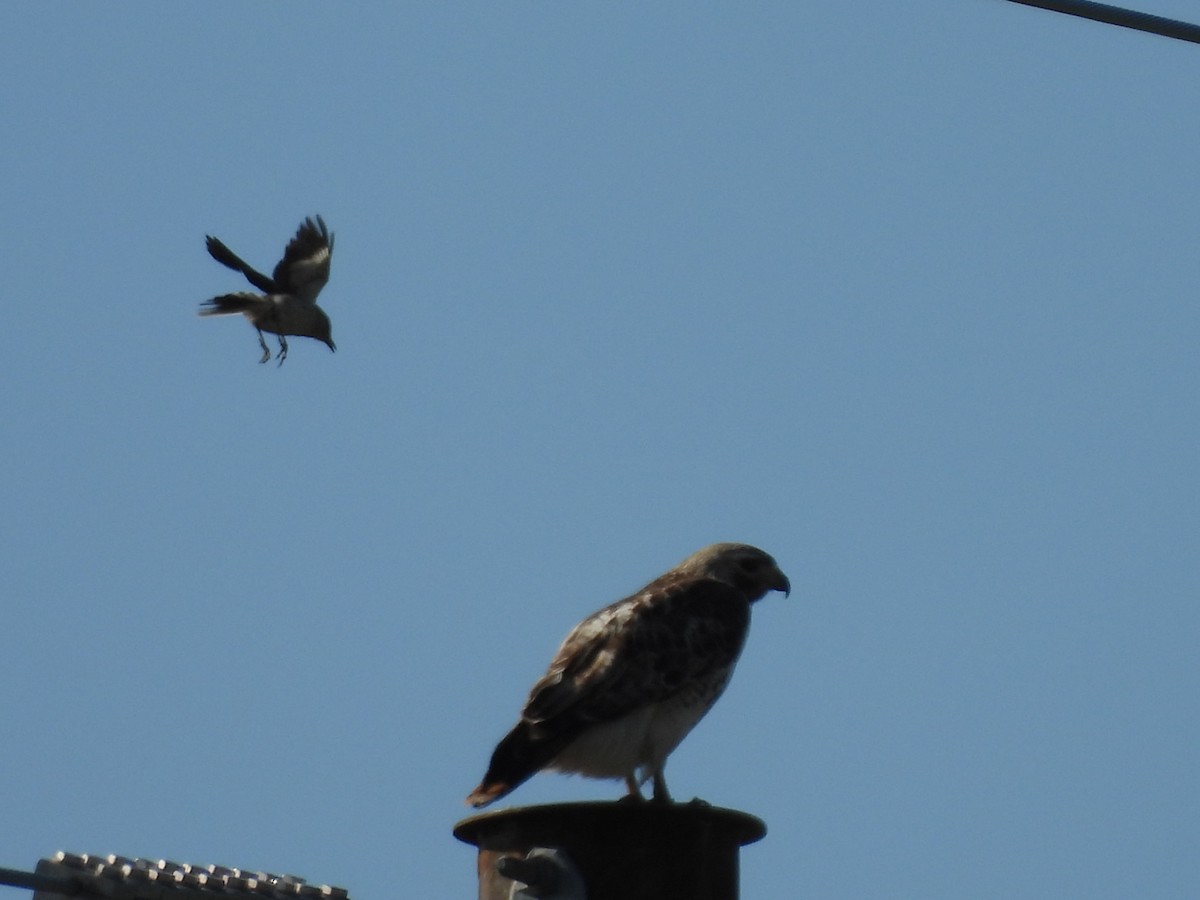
{"x":290,"y":302}
{"x":631,"y":680}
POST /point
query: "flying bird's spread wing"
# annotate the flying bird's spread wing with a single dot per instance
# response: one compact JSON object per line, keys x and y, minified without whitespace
{"x":630,"y":681}
{"x":227,"y":257}
{"x":304,"y":269}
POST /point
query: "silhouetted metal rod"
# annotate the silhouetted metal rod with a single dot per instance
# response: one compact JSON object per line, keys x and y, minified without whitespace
{"x":37,"y":882}
{"x":1126,"y":18}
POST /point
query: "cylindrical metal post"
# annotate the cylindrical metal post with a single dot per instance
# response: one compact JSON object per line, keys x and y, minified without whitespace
{"x":623,"y":851}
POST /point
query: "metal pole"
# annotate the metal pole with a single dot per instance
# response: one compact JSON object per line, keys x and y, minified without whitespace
{"x":620,"y":851}
{"x":1126,"y":18}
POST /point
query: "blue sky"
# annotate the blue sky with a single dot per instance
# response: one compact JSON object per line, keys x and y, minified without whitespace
{"x":905,"y":294}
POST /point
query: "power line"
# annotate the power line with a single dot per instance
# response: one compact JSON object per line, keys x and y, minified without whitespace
{"x":1126,"y":18}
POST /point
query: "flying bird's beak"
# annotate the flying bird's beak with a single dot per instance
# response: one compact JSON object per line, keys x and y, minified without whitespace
{"x":332,"y":346}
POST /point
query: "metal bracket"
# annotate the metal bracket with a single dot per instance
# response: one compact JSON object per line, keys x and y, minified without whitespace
{"x":544,"y":873}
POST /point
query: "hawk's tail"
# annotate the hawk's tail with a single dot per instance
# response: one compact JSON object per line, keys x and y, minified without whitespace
{"x":516,"y":759}
{"x":229,"y":304}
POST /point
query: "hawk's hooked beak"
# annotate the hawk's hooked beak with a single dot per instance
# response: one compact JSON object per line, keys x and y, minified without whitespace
{"x":782,"y":584}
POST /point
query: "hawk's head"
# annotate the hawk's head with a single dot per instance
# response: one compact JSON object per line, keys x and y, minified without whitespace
{"x":747,"y":568}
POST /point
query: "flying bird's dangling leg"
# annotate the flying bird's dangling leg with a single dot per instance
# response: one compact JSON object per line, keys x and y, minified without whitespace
{"x":282,"y":349}
{"x":266,"y":350}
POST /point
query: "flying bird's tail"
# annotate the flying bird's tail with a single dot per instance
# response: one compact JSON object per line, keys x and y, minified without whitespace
{"x":516,"y":759}
{"x":230,"y":304}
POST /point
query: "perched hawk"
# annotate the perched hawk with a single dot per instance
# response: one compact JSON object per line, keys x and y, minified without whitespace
{"x":290,"y":304}
{"x":630,"y":681}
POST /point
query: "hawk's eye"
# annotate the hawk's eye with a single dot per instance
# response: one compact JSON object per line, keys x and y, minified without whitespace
{"x":748,"y":565}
